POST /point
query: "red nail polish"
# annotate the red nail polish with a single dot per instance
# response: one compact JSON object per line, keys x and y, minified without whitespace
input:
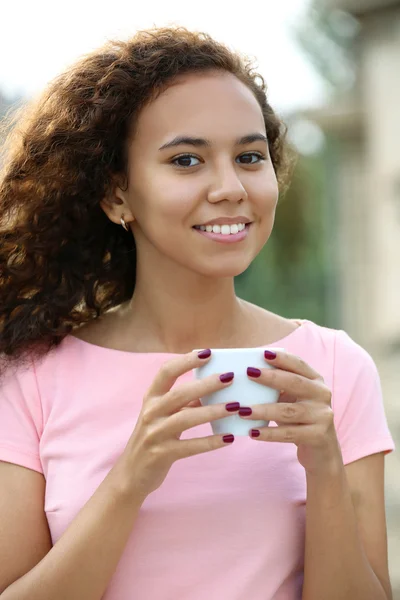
{"x":245,"y":411}
{"x":228,"y":439}
{"x":253,"y":372}
{"x":226,"y":377}
{"x":269,"y":355}
{"x":232,"y":406}
{"x":204,"y":353}
{"x":255,"y":433}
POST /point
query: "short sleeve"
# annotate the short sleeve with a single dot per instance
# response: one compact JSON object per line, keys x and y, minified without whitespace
{"x":21,"y":420}
{"x":357,"y":402}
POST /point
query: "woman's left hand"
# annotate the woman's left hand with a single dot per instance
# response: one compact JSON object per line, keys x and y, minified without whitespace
{"x":303,"y":412}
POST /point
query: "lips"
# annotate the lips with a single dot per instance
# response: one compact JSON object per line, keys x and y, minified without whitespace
{"x":226,"y":221}
{"x":224,"y":234}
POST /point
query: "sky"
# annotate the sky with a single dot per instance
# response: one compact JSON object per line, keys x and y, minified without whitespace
{"x":39,"y":38}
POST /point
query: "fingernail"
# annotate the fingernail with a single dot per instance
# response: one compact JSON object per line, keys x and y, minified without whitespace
{"x":232,"y":406}
{"x":255,"y":433}
{"x":253,"y":372}
{"x":204,"y":353}
{"x":228,"y":439}
{"x":269,"y":355}
{"x":245,"y":411}
{"x":226,"y":377}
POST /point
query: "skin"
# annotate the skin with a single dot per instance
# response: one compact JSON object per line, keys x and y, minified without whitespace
{"x":185,"y":299}
{"x":184,"y":287}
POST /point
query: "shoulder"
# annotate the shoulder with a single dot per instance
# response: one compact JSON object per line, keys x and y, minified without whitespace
{"x":336,"y":343}
{"x":333,"y":353}
{"x":348,"y":357}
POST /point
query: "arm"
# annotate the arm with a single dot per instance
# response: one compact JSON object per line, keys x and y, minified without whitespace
{"x":346,"y":546}
{"x":80,"y":565}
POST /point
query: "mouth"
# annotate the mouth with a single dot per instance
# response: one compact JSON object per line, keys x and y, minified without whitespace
{"x":223,"y":228}
{"x":224,"y":234}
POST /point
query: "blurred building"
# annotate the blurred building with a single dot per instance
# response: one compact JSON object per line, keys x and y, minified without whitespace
{"x":363,"y":127}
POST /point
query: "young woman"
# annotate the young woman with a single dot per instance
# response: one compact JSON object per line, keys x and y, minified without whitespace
{"x":134,"y":190}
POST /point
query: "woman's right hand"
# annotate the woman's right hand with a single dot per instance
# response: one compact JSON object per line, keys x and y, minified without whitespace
{"x":155,"y":443}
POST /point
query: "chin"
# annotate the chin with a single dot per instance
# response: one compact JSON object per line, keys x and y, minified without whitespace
{"x":225,"y":270}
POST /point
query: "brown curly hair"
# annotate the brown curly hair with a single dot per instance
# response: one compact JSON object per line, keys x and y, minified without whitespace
{"x":62,"y":261}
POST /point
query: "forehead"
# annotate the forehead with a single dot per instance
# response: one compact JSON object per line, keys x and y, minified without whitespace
{"x":211,"y":104}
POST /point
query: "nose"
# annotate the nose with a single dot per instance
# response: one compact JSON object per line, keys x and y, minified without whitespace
{"x":227,"y":186}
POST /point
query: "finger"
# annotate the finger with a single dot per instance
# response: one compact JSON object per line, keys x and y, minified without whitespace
{"x":292,"y":363}
{"x":174,"y":368}
{"x":184,"y":420}
{"x":191,"y":391}
{"x":297,"y":412}
{"x":287,"y":398}
{"x":185,"y":448}
{"x":296,"y":434}
{"x":292,"y":383}
{"x":192,"y":404}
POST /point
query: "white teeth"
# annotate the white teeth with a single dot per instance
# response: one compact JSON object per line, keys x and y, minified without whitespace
{"x":223,"y":229}
{"x":232,"y":229}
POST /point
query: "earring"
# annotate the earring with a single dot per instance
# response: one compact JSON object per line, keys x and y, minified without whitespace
{"x":124,"y":224}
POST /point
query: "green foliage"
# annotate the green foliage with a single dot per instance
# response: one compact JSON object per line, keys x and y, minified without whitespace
{"x":295,"y":274}
{"x":290,"y":276}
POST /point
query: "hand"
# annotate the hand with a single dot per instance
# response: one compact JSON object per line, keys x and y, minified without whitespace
{"x":155,"y":445}
{"x":303,"y":412}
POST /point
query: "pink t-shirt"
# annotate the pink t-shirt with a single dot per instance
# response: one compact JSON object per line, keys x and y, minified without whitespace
{"x":224,"y":524}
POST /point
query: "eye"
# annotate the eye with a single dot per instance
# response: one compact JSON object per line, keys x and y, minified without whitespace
{"x":185,"y":159}
{"x":257,"y":155}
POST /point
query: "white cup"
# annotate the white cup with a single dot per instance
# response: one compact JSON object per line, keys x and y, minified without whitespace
{"x":243,"y":389}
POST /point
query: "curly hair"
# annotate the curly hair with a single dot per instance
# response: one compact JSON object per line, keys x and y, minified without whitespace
{"x":62,"y":261}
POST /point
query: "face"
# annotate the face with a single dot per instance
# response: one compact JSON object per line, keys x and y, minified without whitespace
{"x":217,"y":178}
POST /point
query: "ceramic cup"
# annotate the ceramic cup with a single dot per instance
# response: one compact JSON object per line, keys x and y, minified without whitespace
{"x":243,"y":389}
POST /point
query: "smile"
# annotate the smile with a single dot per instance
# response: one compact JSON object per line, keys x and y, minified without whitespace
{"x":225,"y":234}
{"x":223,"y":229}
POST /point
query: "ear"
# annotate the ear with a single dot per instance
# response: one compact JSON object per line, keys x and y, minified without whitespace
{"x":115,"y":204}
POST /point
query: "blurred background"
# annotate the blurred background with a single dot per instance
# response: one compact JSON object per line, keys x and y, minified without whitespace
{"x":332,"y":67}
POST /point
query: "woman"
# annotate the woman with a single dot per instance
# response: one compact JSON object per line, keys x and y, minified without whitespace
{"x":142,"y":182}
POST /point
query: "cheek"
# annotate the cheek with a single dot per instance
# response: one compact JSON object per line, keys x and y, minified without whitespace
{"x":172,"y":211}
{"x":265,"y":197}
{"x":166,"y":203}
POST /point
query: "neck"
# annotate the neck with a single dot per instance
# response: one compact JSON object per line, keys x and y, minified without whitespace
{"x":175,"y":312}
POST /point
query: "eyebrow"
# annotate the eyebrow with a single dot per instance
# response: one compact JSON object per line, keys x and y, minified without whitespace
{"x":195,"y":141}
